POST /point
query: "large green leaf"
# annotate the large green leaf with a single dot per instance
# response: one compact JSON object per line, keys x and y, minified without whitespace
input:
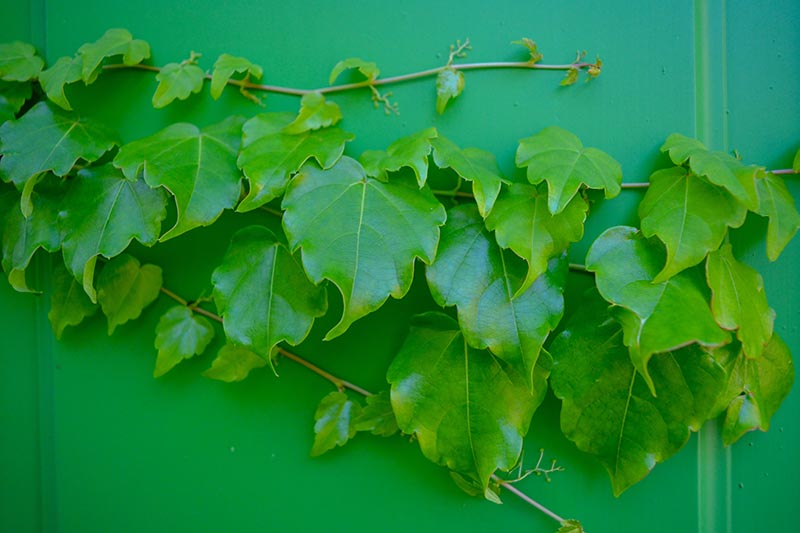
{"x":776,"y":202}
{"x":315,"y":112}
{"x":13,"y":96}
{"x":69,"y":304}
{"x":102,"y":213}
{"x":410,"y":151}
{"x":468,"y":411}
{"x":225,"y":67}
{"x":19,"y":62}
{"x":335,"y":422}
{"x":449,"y":84}
{"x":690,"y":215}
{"x":739,"y":301}
{"x":125,"y":287}
{"x":368,"y":69}
{"x":656,"y":317}
{"x":64,"y":71}
{"x":263,"y":294}
{"x":472,"y":164}
{"x":47,"y":138}
{"x":360,"y":233}
{"x":523,"y":223}
{"x":197,"y":166}
{"x":114,"y":42}
{"x":483,"y":281}
{"x":270,"y":156}
{"x":558,"y":157}
{"x":377,"y":416}
{"x":234,"y":363}
{"x":607,"y":409}
{"x":180,"y":334}
{"x":177,"y":80}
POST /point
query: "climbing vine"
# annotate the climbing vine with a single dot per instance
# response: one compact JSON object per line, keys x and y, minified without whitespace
{"x":676,"y":331}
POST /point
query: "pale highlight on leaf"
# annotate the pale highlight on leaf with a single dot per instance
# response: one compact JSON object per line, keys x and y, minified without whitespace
{"x":114,"y":42}
{"x":69,"y":304}
{"x":335,"y":422}
{"x":19,"y":62}
{"x":177,"y":81}
{"x":234,"y":363}
{"x":449,"y":84}
{"x":125,"y":287}
{"x":368,"y":69}
{"x":315,"y":112}
{"x":180,"y":334}
{"x":410,"y":151}
{"x":226,"y":66}
{"x":777,"y":203}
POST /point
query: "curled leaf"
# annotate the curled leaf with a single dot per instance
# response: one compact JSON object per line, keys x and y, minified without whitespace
{"x":234,"y":363}
{"x":114,"y":42}
{"x":225,"y":66}
{"x":315,"y":112}
{"x":449,"y":84}
{"x":368,"y":69}
{"x":533,"y":50}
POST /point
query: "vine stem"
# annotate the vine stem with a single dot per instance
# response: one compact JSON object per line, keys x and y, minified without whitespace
{"x":784,"y":171}
{"x":527,"y":499}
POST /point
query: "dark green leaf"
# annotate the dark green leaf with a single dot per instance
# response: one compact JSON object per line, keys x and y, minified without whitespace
{"x":468,"y":411}
{"x":177,"y":80}
{"x":315,"y":112}
{"x":65,"y":70}
{"x":690,"y":216}
{"x":102,"y":213}
{"x":234,"y":363}
{"x":360,"y":233}
{"x":377,"y":416}
{"x":180,"y":334}
{"x":197,"y":167}
{"x":19,"y":62}
{"x":335,"y":422}
{"x":125,"y":288}
{"x":776,"y":202}
{"x":69,"y":304}
{"x":558,"y":157}
{"x":114,"y":42}
{"x":656,"y":317}
{"x":225,"y":66}
{"x":368,"y":69}
{"x":482,"y":281}
{"x":410,"y":151}
{"x":13,"y":96}
{"x":449,"y":84}
{"x":523,"y":223}
{"x":533,"y":50}
{"x":263,"y":294}
{"x":269,"y":156}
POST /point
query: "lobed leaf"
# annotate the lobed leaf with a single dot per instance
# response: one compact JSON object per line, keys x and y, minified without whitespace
{"x":377,"y":416}
{"x":449,"y":84}
{"x":468,"y":411}
{"x":226,"y":66}
{"x":234,"y":363}
{"x":368,"y":69}
{"x":180,"y":334}
{"x":360,"y":233}
{"x":335,"y":422}
{"x":689,"y":215}
{"x":410,"y":151}
{"x":558,"y":157}
{"x":776,"y":202}
{"x":125,"y":287}
{"x":69,"y":304}
{"x":198,"y":167}
{"x":177,"y":80}
{"x":13,"y":96}
{"x":269,"y":156}
{"x":64,"y":71}
{"x":315,"y":112}
{"x":533,"y":50}
{"x":19,"y":62}
{"x":114,"y":42}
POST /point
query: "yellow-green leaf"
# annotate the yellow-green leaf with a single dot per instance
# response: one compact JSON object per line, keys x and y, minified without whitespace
{"x":69,"y":304}
{"x":315,"y":112}
{"x":19,"y":62}
{"x":125,"y":287}
{"x":114,"y":42}
{"x":776,"y":202}
{"x":234,"y":363}
{"x":377,"y":416}
{"x":335,"y":422}
{"x":449,"y":84}
{"x":368,"y":69}
{"x":64,"y":71}
{"x":226,"y":66}
{"x":177,"y":80}
{"x":410,"y":151}
{"x":533,"y":50}
{"x":180,"y":334}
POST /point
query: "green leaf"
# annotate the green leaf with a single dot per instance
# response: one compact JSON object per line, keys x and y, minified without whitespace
{"x":482,"y":281}
{"x":180,"y":334}
{"x":360,"y":233}
{"x":570,"y":526}
{"x":69,"y":304}
{"x":377,"y":416}
{"x":234,"y":363}
{"x":263,"y":294}
{"x":738,"y":300}
{"x":468,"y":411}
{"x":368,"y":69}
{"x":47,"y":138}
{"x":660,"y":317}
{"x":533,"y":50}
{"x":410,"y":151}
{"x":690,"y":216}
{"x":114,"y":42}
{"x":269,"y":156}
{"x":449,"y":84}
{"x":776,"y":202}
{"x":102,"y":213}
{"x":177,"y":80}
{"x":19,"y":62}
{"x":681,"y":148}
{"x":13,"y":96}
{"x":558,"y":157}
{"x":607,"y":409}
{"x":65,"y":70}
{"x":335,"y":422}
{"x":570,"y":77}
{"x":315,"y":112}
{"x":796,"y":162}
{"x":125,"y":287}
{"x":472,"y":164}
{"x":523,"y":223}
{"x":225,"y":66}
{"x":196,"y":166}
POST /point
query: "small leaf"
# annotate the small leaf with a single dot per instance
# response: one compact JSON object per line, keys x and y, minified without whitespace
{"x":180,"y":334}
{"x":571,"y":77}
{"x":197,"y":166}
{"x":738,"y":300}
{"x":690,"y":215}
{"x":315,"y":112}
{"x":377,"y":416}
{"x":468,"y":411}
{"x":449,"y":84}
{"x":558,"y":157}
{"x":269,"y":156}
{"x":681,"y":148}
{"x":335,"y":422}
{"x":360,"y":233}
{"x":776,"y":202}
{"x":472,"y":164}
{"x":69,"y":305}
{"x":13,"y":96}
{"x":467,"y":484}
{"x":125,"y":288}
{"x":225,"y":66}
{"x":656,"y":317}
{"x":234,"y":363}
{"x":536,"y":56}
{"x":102,"y":213}
{"x":19,"y":62}
{"x":570,"y":526}
{"x":114,"y":42}
{"x":64,"y":71}
{"x":368,"y":69}
{"x":410,"y":151}
{"x":177,"y":80}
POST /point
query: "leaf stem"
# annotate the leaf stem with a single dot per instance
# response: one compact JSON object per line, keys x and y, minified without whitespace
{"x":784,"y":171}
{"x":527,"y":499}
{"x":635,"y":185}
{"x":575,"y":267}
{"x":462,"y":194}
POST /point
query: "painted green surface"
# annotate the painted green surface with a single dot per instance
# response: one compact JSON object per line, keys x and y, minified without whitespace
{"x":91,"y":442}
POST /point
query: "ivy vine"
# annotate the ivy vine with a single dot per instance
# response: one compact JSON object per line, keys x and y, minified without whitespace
{"x":676,"y":331}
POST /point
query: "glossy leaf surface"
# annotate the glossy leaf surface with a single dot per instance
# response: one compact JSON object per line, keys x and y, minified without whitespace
{"x":776,"y":202}
{"x":19,"y":62}
{"x":410,"y":151}
{"x":64,"y":71}
{"x":69,"y":304}
{"x":368,"y":69}
{"x":114,"y":42}
{"x":177,"y":81}
{"x":335,"y":422}
{"x":315,"y":112}
{"x":180,"y":334}
{"x":234,"y":363}
{"x":377,"y":416}
{"x":125,"y":287}
{"x":360,"y":233}
{"x":226,"y":66}
{"x":449,"y":84}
